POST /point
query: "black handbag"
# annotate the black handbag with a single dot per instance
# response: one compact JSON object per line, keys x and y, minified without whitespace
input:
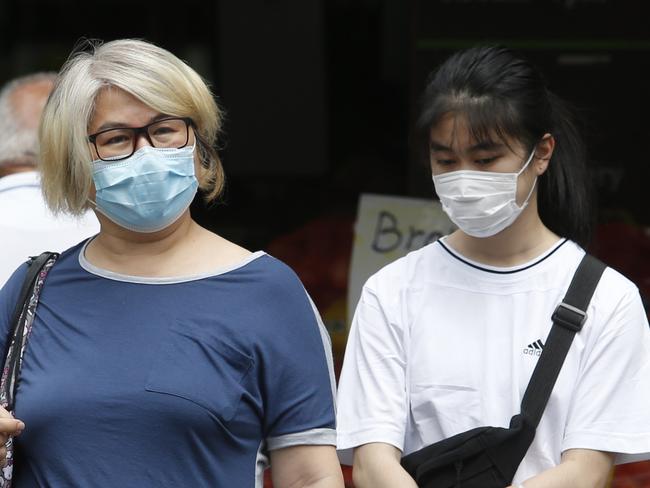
{"x":21,"y":323}
{"x":488,"y":457}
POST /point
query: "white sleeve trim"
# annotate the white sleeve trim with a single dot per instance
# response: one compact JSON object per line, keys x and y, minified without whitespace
{"x":312,"y":437}
{"x":346,"y":443}
{"x":366,"y":436}
{"x":628,"y":447}
{"x":327,"y":346}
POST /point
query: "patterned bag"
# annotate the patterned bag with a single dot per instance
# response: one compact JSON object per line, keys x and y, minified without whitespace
{"x":17,"y":340}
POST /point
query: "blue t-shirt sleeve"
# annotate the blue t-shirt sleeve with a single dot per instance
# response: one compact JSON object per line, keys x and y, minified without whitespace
{"x":297,"y":375}
{"x":9,"y":295}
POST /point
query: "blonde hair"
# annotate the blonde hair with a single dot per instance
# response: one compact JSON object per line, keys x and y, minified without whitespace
{"x":152,"y":75}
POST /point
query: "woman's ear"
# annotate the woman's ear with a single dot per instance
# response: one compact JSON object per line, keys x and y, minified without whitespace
{"x":543,"y":153}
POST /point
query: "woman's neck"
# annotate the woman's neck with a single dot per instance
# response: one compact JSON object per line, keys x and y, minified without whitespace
{"x":10,"y":169}
{"x":517,"y":244}
{"x":121,"y":250}
{"x":182,"y":249}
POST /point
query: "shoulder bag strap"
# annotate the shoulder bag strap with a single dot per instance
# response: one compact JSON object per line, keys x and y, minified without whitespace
{"x":568,"y":318}
{"x":21,"y":325}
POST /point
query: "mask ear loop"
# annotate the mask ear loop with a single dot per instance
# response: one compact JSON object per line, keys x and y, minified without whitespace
{"x":530,"y":158}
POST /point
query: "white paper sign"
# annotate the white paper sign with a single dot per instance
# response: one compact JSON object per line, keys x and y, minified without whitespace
{"x":387,"y":228}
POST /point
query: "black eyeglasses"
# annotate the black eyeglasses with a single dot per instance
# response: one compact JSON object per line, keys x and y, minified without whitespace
{"x":119,"y":143}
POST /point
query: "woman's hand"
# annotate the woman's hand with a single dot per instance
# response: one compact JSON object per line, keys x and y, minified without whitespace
{"x":9,"y":427}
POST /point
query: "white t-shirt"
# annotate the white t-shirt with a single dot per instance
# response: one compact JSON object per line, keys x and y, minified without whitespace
{"x":440,"y":345}
{"x":27,"y":227}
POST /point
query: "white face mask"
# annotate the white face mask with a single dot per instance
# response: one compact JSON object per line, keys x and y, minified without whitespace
{"x":481,"y":203}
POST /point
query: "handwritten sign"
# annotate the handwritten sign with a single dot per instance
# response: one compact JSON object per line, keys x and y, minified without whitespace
{"x":387,"y":228}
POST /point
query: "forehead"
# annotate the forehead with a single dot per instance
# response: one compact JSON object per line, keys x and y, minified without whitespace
{"x":117,"y":107}
{"x":453,"y":131}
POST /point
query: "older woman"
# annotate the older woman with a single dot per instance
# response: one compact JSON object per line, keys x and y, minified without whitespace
{"x":162,"y":354}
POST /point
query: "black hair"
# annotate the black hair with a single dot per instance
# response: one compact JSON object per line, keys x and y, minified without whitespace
{"x":501,"y":93}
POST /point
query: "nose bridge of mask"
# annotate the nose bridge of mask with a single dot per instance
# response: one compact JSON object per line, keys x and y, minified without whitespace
{"x":463,"y":174}
{"x":137,"y":163}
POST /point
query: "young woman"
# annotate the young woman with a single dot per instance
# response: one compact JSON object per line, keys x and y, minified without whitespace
{"x":162,"y":355}
{"x":445,"y":339}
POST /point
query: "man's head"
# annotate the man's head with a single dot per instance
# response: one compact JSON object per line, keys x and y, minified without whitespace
{"x":21,"y":103}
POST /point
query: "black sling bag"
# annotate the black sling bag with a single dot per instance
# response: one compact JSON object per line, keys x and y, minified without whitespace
{"x":488,"y":457}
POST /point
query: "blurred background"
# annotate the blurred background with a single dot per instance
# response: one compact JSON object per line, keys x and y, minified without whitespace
{"x":320,"y":96}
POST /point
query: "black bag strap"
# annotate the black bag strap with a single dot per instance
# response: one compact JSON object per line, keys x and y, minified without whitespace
{"x":568,"y":318}
{"x":36,"y":264}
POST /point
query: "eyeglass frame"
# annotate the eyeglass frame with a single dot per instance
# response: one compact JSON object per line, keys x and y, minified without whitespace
{"x":140,"y":130}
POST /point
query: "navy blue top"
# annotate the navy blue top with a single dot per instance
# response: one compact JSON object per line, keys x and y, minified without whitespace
{"x":156,"y":382}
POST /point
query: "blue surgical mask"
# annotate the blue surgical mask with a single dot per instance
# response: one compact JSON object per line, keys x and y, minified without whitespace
{"x":149,"y":190}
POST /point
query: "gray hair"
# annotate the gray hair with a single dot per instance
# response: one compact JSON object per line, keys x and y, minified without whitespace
{"x":19,"y":143}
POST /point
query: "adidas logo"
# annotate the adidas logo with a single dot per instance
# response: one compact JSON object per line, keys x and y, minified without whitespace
{"x":534,"y":349}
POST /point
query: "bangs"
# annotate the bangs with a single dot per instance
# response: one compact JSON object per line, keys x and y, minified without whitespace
{"x":488,"y":119}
